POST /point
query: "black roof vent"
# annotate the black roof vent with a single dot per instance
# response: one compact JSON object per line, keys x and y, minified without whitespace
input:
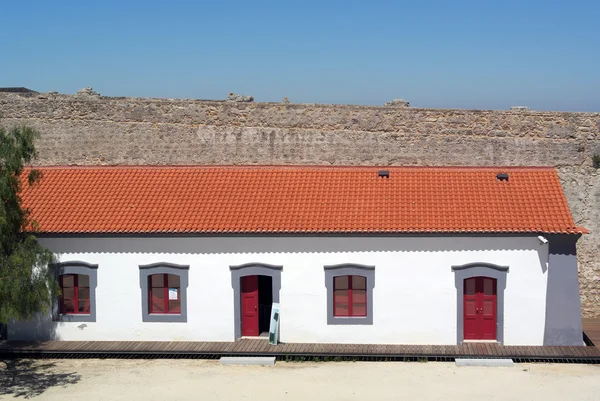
{"x":383,"y":173}
{"x":502,"y":176}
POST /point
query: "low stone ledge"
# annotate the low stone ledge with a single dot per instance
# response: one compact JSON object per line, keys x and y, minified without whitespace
{"x":248,"y":360}
{"x":486,"y":362}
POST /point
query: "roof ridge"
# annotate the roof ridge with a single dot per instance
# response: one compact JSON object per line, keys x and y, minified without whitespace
{"x":280,"y":166}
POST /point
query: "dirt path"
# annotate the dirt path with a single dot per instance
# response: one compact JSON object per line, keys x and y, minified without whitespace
{"x":150,"y":380}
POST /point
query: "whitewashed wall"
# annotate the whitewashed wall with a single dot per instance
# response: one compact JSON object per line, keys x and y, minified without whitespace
{"x":415,"y":300}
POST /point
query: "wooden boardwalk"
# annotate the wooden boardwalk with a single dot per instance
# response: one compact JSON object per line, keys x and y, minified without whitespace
{"x":260,"y":347}
{"x":591,"y":328}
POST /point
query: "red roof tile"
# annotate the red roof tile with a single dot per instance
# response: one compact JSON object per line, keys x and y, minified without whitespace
{"x":298,"y":199}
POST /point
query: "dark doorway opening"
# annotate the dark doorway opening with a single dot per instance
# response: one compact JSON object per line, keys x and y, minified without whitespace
{"x":265,"y":303}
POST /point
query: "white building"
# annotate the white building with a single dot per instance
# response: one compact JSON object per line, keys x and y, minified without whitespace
{"x":406,"y":255}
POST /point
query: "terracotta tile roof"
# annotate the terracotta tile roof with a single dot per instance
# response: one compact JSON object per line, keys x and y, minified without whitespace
{"x":298,"y":199}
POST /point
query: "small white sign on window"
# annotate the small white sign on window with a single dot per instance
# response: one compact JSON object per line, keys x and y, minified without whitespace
{"x":173,"y":294}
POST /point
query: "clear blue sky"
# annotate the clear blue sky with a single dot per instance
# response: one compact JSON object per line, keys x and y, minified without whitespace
{"x":464,"y":54}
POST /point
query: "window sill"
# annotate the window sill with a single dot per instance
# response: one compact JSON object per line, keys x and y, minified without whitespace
{"x":164,"y":318}
{"x":75,"y":317}
{"x":350,"y":320}
{"x":164,"y":314}
{"x":350,"y":317}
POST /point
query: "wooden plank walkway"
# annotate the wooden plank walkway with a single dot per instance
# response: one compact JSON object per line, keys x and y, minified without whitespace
{"x":591,"y":328}
{"x":260,"y":347}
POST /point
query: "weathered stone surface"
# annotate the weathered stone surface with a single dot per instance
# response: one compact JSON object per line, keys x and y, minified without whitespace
{"x":88,"y":130}
{"x":234,"y":97}
{"x":87,"y":92}
{"x":397,"y":103}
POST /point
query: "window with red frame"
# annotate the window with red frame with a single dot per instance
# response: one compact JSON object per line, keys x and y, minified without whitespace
{"x":75,"y":294}
{"x":165,"y":294}
{"x":349,"y":296}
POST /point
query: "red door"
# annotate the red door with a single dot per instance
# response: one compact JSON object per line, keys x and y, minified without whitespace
{"x":480,"y":308}
{"x":249,"y":286}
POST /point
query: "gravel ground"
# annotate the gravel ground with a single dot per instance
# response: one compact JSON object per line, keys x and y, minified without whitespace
{"x":150,"y":380}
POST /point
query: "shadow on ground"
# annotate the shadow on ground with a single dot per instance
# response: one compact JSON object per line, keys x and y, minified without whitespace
{"x":28,"y":378}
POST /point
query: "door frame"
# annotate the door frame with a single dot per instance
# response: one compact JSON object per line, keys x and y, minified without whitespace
{"x":480,"y":269}
{"x":251,"y":269}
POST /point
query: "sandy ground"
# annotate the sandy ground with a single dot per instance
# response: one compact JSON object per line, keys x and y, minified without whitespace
{"x":150,"y":380}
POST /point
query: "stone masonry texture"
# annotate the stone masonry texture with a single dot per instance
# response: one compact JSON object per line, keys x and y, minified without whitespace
{"x":77,"y":130}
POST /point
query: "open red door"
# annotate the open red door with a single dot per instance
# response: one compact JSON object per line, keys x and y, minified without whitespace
{"x":249,"y":286}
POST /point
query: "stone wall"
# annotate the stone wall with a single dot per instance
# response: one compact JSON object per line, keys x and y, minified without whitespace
{"x":89,"y":130}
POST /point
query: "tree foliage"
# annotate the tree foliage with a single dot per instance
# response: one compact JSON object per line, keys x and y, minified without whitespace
{"x":26,"y":283}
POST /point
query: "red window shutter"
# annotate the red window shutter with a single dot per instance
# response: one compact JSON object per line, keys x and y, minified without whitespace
{"x":173,"y":283}
{"x":75,"y":294}
{"x":341,"y":298}
{"x":83,"y":293}
{"x":349,"y":296}
{"x":359,"y":295}
{"x":158,"y":293}
{"x":67,"y":299}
